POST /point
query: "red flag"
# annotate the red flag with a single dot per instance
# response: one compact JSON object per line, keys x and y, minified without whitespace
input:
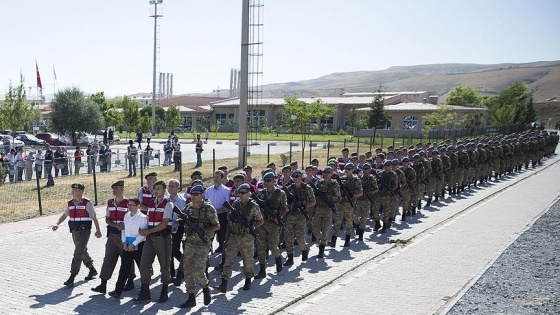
{"x":39,"y":84}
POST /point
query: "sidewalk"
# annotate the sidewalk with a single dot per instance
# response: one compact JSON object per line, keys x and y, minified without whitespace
{"x":34,"y":261}
{"x":427,"y":275}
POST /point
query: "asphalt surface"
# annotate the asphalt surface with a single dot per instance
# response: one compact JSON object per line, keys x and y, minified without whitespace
{"x":525,"y":279}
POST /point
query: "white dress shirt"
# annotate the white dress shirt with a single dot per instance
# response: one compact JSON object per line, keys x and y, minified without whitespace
{"x":133,"y":223}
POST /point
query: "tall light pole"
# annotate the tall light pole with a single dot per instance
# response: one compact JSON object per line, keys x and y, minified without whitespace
{"x":155,"y":16}
{"x":243,"y":85}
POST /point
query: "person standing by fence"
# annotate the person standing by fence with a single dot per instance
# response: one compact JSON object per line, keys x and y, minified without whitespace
{"x":177,"y":155}
{"x":29,"y":159}
{"x":198,"y":150}
{"x":78,"y":160}
{"x":39,"y":160}
{"x":81,"y":213}
{"x":131,"y":155}
{"x":49,"y":160}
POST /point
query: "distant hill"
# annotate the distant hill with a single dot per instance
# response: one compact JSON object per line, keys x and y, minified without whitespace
{"x":543,"y":77}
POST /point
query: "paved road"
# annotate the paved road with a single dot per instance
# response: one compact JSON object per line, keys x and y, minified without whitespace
{"x":448,"y":247}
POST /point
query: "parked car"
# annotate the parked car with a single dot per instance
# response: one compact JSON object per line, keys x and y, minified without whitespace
{"x":50,"y":138}
{"x":85,"y":138}
{"x":10,"y":141}
{"x":30,"y":140}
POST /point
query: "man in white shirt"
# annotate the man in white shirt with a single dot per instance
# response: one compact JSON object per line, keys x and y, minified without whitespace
{"x":178,"y":230}
{"x":39,"y":158}
{"x":217,"y":194}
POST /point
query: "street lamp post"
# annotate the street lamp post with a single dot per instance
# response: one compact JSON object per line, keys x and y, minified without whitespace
{"x":155,"y":16}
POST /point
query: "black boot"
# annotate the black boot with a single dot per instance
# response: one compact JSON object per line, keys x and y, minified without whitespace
{"x":278,"y":261}
{"x":190,"y":302}
{"x":223,"y":286}
{"x":360,"y":235}
{"x":304,"y":254}
{"x":102,"y":288}
{"x":92,"y":273}
{"x":262,"y":272}
{"x":177,"y":281}
{"x":429,"y":202}
{"x":206,"y":294}
{"x":449,"y":191}
{"x":144,"y":295}
{"x":377,"y":225}
{"x":290,"y":260}
{"x":70,"y":281}
{"x":419,"y":205}
{"x":313,"y":238}
{"x":436,"y":199}
{"x":129,"y":285}
{"x":333,"y":241}
{"x":163,"y":294}
{"x":403,"y":218}
{"x":321,"y":251}
{"x":413,"y":211}
{"x":247,"y":285}
{"x":347,"y":241}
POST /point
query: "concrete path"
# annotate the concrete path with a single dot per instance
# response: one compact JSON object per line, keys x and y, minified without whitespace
{"x":447,"y":247}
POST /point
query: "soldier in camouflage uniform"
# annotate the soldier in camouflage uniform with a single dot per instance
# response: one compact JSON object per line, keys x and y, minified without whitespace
{"x":436,"y":178}
{"x":407,"y":190}
{"x":323,"y":218}
{"x":482,"y":163}
{"x":462,"y":166}
{"x":388,"y":184}
{"x":369,"y":185}
{"x":195,"y":257}
{"x":296,"y":222}
{"x":428,"y":173}
{"x":396,"y":198}
{"x":452,"y":175}
{"x":446,"y":161}
{"x":354,"y":186}
{"x":269,"y":232}
{"x":420,"y":182}
{"x":240,"y":239}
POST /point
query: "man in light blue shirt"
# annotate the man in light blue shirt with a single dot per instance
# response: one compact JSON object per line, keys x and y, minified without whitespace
{"x":217,"y":194}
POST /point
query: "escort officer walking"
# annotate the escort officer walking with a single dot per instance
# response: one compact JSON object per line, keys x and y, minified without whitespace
{"x":81,"y":213}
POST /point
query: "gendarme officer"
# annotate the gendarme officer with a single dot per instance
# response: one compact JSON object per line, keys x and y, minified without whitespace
{"x":81,"y":213}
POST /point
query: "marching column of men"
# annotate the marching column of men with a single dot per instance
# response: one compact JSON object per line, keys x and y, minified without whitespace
{"x":253,"y":217}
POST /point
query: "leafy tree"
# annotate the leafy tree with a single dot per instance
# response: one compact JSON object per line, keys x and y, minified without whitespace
{"x":160,"y":116}
{"x":15,"y":113}
{"x":444,"y":117}
{"x":131,"y":114}
{"x":145,"y":123}
{"x":201,"y":123}
{"x":304,"y":115}
{"x":172,"y":117}
{"x":520,"y":98}
{"x":377,"y":116}
{"x":73,"y":112}
{"x":503,"y":116}
{"x":464,"y":96}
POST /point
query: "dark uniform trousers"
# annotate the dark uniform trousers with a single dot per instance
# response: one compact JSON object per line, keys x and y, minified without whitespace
{"x":269,"y":237}
{"x":113,"y":250}
{"x":80,"y":238}
{"x":127,"y":266}
{"x":160,"y":246}
{"x":176,"y":242}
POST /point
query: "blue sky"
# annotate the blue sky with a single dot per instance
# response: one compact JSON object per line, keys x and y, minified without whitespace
{"x":108,"y":45}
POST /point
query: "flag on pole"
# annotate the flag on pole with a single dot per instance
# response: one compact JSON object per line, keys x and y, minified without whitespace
{"x":39,"y":84}
{"x":54,"y":72}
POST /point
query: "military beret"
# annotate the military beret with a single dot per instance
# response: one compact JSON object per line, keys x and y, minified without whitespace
{"x":460,"y":146}
{"x":197,"y":182}
{"x":381,"y":155}
{"x":293,"y":163}
{"x":314,"y":160}
{"x":243,"y":187}
{"x":415,"y":156}
{"x":223,"y":167}
{"x":196,"y":173}
{"x":266,"y":170}
{"x":450,"y":147}
{"x":354,"y":157}
{"x":248,"y":167}
{"x":268,"y":175}
{"x":405,"y":160}
{"x":119,"y":183}
{"x":422,"y":152}
{"x":239,"y":176}
{"x":332,"y":162}
{"x":395,"y":161}
{"x":79,"y":186}
{"x":197,"y":188}
{"x":388,"y":163}
{"x":443,"y":149}
{"x":345,"y":149}
{"x":354,"y":154}
{"x":270,"y":164}
{"x":368,"y":152}
{"x":160,"y":183}
{"x":435,"y":152}
{"x":327,"y":169}
{"x":348,"y":166}
{"x":366,"y":166}
{"x":286,"y":167}
{"x":150,"y":174}
{"x":309,"y":167}
{"x":295,"y":172}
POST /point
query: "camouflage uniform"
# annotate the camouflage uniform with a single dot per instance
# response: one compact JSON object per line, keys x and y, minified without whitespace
{"x":452,"y":174}
{"x":420,"y":178}
{"x":195,"y":256}
{"x":387,"y":185}
{"x":407,"y":190}
{"x":239,"y":240}
{"x":436,"y":178}
{"x":296,"y":222}
{"x":369,"y":184}
{"x":396,"y":198}
{"x":269,"y":231}
{"x":323,"y":218}
{"x":446,"y":161}
{"x":354,"y":185}
{"x":462,"y":167}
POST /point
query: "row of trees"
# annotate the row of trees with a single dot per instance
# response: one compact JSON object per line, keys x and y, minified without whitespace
{"x":15,"y":112}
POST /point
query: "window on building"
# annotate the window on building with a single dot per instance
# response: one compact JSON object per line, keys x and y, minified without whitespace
{"x":257,"y":118}
{"x":410,"y":123}
{"x":387,"y":125}
{"x":222,"y":118}
{"x":187,"y":124}
{"x":326,"y":124}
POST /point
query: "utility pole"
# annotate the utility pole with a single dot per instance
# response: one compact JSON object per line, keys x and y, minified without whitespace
{"x":243,"y":85}
{"x":155,"y":16}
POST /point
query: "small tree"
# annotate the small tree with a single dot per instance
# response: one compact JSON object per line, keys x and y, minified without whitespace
{"x":131,"y":114}
{"x":15,"y":113}
{"x":72,"y":112}
{"x":503,"y":116}
{"x":464,"y":96}
{"x":172,"y":117}
{"x":443,"y":117}
{"x":377,"y":116}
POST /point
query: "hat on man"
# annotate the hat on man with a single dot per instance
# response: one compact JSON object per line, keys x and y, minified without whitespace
{"x":160,"y":183}
{"x":293,"y":163}
{"x":248,"y":168}
{"x":239,"y":176}
{"x":422,"y":152}
{"x":197,"y":188}
{"x":435,"y":152}
{"x":345,"y":149}
{"x":222,"y":168}
{"x":266,"y":170}
{"x":405,"y":160}
{"x":268,"y":176}
{"x":119,"y":183}
{"x":366,"y":166}
{"x":243,"y":187}
{"x":314,"y":160}
{"x":286,"y":167}
{"x":79,"y":186}
{"x":196,"y":173}
{"x":395,"y":162}
{"x":270,"y":164}
{"x":327,"y":169}
{"x":295,"y":172}
{"x":197,"y":182}
{"x":388,"y":163}
{"x":349,"y":166}
{"x":415,"y":156}
{"x":150,"y":174}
